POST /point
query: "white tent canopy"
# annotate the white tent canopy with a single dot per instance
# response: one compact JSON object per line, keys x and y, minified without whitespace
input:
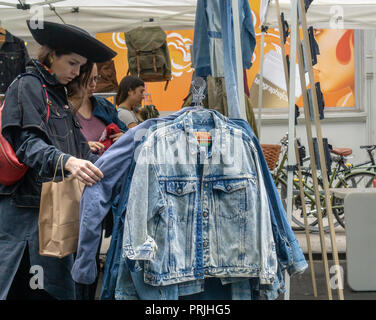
{"x":330,"y":14}
{"x":97,"y":16}
{"x":121,"y":15}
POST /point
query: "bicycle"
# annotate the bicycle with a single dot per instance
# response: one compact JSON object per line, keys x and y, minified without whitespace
{"x":362,"y":175}
{"x":342,"y":175}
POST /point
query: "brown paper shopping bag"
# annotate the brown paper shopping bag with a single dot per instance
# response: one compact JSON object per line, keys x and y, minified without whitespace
{"x":59,"y":215}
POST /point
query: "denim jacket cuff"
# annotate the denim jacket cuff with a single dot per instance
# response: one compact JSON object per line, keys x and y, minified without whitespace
{"x":87,"y":277}
{"x":299,"y":264}
{"x":146,"y":251}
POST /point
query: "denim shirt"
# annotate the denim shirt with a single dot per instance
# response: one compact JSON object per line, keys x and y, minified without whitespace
{"x":205,"y":212}
{"x":213,"y":44}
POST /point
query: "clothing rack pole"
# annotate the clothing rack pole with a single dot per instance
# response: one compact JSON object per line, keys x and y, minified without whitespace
{"x":290,"y":135}
{"x":239,"y":59}
{"x":324,"y":174}
{"x":261,"y":82}
{"x":280,"y":26}
{"x":291,"y":150}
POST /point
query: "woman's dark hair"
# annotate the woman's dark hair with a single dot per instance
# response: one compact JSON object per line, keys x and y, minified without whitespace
{"x":76,"y":89}
{"x":126,"y":84}
{"x":82,"y":80}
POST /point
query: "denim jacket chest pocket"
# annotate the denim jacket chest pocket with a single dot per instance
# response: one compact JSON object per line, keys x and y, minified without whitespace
{"x":230,"y":197}
{"x":181,"y":199}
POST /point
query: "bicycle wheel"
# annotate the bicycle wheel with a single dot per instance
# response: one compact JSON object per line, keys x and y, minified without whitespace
{"x":297,"y":217}
{"x":353,"y":180}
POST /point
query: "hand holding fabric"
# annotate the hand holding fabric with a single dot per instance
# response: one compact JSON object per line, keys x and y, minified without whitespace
{"x":84,"y":171}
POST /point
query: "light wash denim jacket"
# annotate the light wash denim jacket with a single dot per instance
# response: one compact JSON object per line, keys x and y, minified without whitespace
{"x":203,"y":212}
{"x":96,"y":200}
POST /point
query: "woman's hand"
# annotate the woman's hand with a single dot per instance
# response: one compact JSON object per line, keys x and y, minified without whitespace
{"x":116,"y":136}
{"x":83,"y":170}
{"x":96,"y":146}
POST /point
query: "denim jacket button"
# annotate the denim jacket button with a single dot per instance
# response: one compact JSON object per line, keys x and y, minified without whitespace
{"x":205,"y":244}
{"x":206,"y":272}
{"x":206,"y":185}
{"x":228,"y":188}
{"x":179,"y":191}
{"x":205,"y":214}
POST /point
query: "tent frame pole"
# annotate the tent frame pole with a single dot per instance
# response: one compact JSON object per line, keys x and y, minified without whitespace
{"x":239,"y":59}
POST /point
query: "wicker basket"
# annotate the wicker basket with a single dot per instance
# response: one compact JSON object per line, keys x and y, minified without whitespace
{"x":271,"y":153}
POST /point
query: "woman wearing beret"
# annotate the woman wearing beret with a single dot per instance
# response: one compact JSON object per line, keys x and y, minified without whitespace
{"x":39,"y":124}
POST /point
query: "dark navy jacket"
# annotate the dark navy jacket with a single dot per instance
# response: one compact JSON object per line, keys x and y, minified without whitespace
{"x":39,"y":143}
{"x":13,"y":59}
{"x":107,"y":112}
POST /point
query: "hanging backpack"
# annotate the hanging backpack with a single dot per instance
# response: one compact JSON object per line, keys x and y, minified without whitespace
{"x":11,"y":170}
{"x":148,"y":55}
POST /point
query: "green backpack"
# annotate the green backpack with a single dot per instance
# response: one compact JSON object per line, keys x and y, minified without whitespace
{"x":148,"y":56}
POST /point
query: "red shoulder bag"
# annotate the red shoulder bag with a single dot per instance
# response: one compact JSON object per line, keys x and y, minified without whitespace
{"x":11,"y":170}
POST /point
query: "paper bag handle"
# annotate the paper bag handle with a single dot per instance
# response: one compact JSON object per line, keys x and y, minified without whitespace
{"x":57,"y":164}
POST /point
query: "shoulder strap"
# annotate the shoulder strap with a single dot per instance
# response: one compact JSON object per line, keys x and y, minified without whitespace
{"x":48,"y":101}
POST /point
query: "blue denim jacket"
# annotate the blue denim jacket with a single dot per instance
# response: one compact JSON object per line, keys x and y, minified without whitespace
{"x":205,"y":212}
{"x":116,"y":166}
{"x":130,"y":283}
{"x":295,"y":262}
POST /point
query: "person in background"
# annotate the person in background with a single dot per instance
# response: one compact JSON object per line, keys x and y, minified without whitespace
{"x":93,"y":112}
{"x":40,"y":126}
{"x":129,"y":96}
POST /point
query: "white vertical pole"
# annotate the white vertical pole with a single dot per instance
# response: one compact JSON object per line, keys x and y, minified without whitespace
{"x":291,"y":150}
{"x":261,"y":83}
{"x":239,"y":59}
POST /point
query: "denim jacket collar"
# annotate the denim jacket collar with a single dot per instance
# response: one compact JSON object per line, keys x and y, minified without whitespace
{"x":44,"y":73}
{"x":218,"y":135}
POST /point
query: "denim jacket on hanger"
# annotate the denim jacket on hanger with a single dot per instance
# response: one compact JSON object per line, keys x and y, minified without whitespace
{"x":204,"y":212}
{"x":96,"y":200}
{"x":244,"y":289}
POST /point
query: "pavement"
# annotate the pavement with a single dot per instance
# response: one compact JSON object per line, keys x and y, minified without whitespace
{"x":301,"y":287}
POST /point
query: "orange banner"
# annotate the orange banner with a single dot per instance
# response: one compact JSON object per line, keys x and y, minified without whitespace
{"x":179,"y":43}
